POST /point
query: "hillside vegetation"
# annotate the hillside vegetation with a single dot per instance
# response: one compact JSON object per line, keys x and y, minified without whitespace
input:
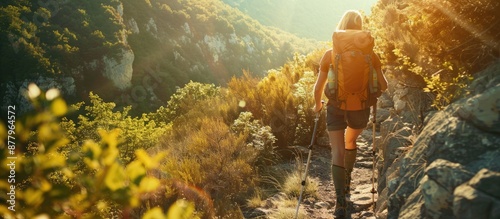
{"x":133,"y":52}
{"x":437,"y":45}
{"x":208,"y":148}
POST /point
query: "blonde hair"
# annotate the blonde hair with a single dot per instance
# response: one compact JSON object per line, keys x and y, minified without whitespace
{"x":351,"y":19}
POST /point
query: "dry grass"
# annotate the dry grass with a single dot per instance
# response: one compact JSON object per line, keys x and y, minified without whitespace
{"x":287,"y":213}
{"x":292,"y":185}
{"x":285,"y":208}
{"x":256,"y":201}
{"x":286,"y":186}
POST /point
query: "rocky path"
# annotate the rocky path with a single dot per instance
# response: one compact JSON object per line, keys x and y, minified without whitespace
{"x":361,"y":197}
{"x":322,"y":207}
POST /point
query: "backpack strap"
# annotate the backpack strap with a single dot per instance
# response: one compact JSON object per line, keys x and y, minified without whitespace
{"x":372,"y":82}
{"x":333,"y":75}
{"x":336,"y":59}
{"x":373,"y":79}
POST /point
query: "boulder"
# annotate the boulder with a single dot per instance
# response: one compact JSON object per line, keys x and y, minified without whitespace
{"x":442,"y":177}
{"x":433,"y":178}
{"x":479,"y":197}
{"x":119,"y":69}
{"x":385,"y":101}
{"x":483,"y":110}
{"x":410,"y":103}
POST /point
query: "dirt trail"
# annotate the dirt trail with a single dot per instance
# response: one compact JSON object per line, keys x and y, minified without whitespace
{"x":361,"y":185}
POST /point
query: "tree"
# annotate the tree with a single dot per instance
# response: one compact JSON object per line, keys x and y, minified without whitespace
{"x":437,"y":44}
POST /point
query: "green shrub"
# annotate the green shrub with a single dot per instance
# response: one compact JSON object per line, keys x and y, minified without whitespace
{"x":48,"y":183}
{"x":282,"y":100}
{"x":212,"y":158}
{"x":137,"y":132}
{"x":259,"y":137}
{"x":457,"y":42}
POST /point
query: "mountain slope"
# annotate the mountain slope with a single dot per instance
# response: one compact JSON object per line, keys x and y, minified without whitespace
{"x":314,"y":19}
{"x":133,"y":52}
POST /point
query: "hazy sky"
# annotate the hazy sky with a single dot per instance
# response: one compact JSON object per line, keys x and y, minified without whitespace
{"x":306,"y":18}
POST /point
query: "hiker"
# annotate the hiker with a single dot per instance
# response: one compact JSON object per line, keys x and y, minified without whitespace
{"x":344,"y":124}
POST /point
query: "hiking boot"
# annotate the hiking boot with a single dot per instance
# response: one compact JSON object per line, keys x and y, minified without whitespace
{"x":338,"y":175}
{"x":340,"y":213}
{"x":348,"y":209}
{"x":340,"y":208}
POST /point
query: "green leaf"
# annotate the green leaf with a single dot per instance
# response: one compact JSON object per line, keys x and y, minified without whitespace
{"x":155,"y":213}
{"x":33,"y":197}
{"x":149,"y":184}
{"x":135,"y":170}
{"x":181,"y":209}
{"x":115,"y":179}
{"x":91,"y":147}
{"x":51,"y":160}
{"x":143,"y":156}
{"x":59,"y":107}
{"x":3,"y":133}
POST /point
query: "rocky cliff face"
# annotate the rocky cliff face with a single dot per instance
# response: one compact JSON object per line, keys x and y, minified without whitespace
{"x":119,"y":70}
{"x":451,"y":169}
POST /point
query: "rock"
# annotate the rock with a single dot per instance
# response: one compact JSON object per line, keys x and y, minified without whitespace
{"x":382,"y":115}
{"x":362,"y":197}
{"x":268,"y":204}
{"x":382,"y":214}
{"x":401,"y":91}
{"x":483,"y":110}
{"x":17,"y":94}
{"x":399,"y":105}
{"x":487,"y":79}
{"x":119,"y":70}
{"x":253,"y":213}
{"x":409,"y":103}
{"x":391,"y":125}
{"x":448,"y":151}
{"x":385,"y":101}
{"x":367,"y":215}
{"x":152,"y":28}
{"x":414,"y":207}
{"x":132,"y":24}
{"x":442,"y":177}
{"x":478,"y":198}
{"x":394,"y":133}
{"x":216,"y":45}
{"x":321,"y":205}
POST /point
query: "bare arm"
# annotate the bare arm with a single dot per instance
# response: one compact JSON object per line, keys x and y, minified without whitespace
{"x":319,"y":86}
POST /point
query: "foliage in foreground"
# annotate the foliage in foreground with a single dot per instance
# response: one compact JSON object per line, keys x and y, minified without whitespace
{"x":47,"y":184}
{"x":99,"y":164}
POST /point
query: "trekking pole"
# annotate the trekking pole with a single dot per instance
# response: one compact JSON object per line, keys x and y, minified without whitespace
{"x":374,"y":120}
{"x":313,"y":141}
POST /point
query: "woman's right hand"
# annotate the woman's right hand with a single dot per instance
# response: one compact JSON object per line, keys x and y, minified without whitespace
{"x":318,"y":107}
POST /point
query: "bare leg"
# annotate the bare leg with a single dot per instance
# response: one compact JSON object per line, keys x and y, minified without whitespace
{"x":350,"y":156}
{"x":350,"y":138}
{"x":337,"y":144}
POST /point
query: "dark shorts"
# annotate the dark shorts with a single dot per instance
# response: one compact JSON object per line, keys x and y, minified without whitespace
{"x":337,"y":119}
